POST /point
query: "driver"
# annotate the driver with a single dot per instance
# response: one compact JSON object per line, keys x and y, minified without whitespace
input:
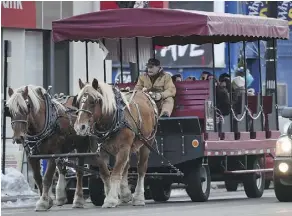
{"x":159,"y":85}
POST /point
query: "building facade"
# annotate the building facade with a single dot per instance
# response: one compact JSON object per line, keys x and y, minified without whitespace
{"x":36,"y":59}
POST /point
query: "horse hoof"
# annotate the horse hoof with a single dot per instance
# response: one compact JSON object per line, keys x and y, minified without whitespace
{"x":61,"y":201}
{"x":138,"y":203}
{"x":78,"y":203}
{"x":138,"y":200}
{"x":125,"y":198}
{"x":110,"y":203}
{"x":44,"y":205}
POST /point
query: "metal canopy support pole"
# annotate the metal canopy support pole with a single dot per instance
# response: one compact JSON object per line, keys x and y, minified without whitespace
{"x":86,"y":56}
{"x":270,"y":51}
{"x":214,"y":87}
{"x":153,"y":48}
{"x":261,"y":82}
{"x":245,"y":83}
{"x":121,"y":60}
{"x":138,"y":59}
{"x":276,"y":85}
{"x":6,"y":55}
{"x":230,"y":86}
{"x":104,"y":64}
{"x":137,"y":56}
{"x":271,"y":65}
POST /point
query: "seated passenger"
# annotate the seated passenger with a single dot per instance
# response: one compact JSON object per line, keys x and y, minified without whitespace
{"x":222,"y":97}
{"x":238,"y":90}
{"x":191,"y":78}
{"x":225,"y":83}
{"x":159,"y":85}
{"x":223,"y":77}
{"x":205,"y":75}
{"x":176,"y":78}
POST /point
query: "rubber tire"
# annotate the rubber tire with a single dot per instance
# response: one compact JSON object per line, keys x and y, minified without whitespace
{"x":267,"y":184}
{"x":70,"y":196}
{"x":249,"y":180}
{"x":231,"y":185}
{"x":193,"y":184}
{"x":283,"y":192}
{"x":160,"y":191}
{"x":147,"y":193}
{"x":96,"y":191}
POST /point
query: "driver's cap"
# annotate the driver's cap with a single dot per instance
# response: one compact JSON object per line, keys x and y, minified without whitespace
{"x":153,"y":62}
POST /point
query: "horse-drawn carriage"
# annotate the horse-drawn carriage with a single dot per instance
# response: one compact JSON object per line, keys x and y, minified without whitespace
{"x":199,"y":147}
{"x":193,"y":146}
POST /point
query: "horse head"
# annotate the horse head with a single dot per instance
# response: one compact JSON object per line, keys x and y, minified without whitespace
{"x":23,"y":104}
{"x":95,"y":101}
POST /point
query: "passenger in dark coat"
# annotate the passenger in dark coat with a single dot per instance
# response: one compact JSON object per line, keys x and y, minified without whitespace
{"x":222,"y":96}
{"x":222,"y":99}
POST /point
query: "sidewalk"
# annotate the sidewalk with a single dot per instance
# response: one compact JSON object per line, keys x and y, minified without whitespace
{"x":15,"y":198}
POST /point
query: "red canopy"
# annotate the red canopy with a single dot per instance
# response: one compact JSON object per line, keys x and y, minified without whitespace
{"x":168,"y":26}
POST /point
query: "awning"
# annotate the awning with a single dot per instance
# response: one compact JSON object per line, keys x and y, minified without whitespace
{"x":169,"y":26}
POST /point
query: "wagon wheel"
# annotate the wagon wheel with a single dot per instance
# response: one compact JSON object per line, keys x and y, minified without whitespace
{"x":231,"y":185}
{"x":254,"y":183}
{"x":198,"y":183}
{"x":159,"y":190}
{"x":96,"y":191}
{"x":147,"y":192}
{"x":283,"y":192}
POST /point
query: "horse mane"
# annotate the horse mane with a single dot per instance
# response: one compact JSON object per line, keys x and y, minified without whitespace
{"x":105,"y":93}
{"x":17,"y":103}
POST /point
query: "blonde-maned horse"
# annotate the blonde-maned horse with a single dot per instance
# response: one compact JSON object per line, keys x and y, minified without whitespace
{"x":123,"y":124}
{"x":44,"y":126}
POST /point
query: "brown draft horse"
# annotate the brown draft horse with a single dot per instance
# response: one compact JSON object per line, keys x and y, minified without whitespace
{"x":45,"y":126}
{"x":124,"y":124}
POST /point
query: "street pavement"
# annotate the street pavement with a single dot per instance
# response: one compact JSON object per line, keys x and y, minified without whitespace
{"x":221,"y":203}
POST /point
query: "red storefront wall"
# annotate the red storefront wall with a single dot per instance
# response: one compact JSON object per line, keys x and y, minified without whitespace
{"x":18,"y":14}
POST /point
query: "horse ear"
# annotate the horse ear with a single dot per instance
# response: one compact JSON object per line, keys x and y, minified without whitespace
{"x":81,"y":84}
{"x":25,"y":92}
{"x":95,"y":84}
{"x":10,"y":92}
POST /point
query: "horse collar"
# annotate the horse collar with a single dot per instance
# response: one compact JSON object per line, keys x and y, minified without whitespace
{"x":32,"y":143}
{"x":118,"y":119}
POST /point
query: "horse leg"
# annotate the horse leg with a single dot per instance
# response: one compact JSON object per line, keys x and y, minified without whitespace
{"x":138,"y":197}
{"x":105,"y":176}
{"x":126,"y":194}
{"x":46,"y":202}
{"x":61,"y":196}
{"x":122,"y":159}
{"x":78,"y":197}
{"x":35,"y":166}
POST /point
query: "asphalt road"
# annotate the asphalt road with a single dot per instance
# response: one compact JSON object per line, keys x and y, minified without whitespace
{"x":220,"y":203}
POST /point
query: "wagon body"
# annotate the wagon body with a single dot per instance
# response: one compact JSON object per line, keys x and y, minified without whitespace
{"x":192,"y":138}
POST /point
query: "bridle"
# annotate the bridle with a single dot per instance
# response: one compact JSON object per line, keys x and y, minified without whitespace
{"x":83,"y":100}
{"x":20,"y":120}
